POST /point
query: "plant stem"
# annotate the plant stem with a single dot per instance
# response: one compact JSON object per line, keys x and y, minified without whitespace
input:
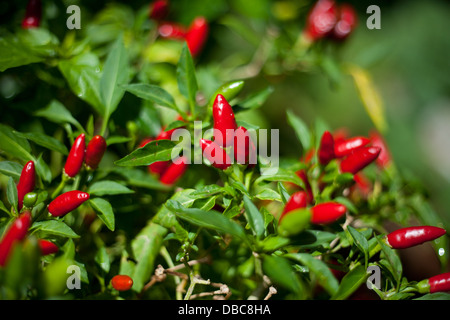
{"x":60,"y":187}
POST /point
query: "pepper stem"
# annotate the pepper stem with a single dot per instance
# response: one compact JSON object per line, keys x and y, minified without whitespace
{"x":60,"y":187}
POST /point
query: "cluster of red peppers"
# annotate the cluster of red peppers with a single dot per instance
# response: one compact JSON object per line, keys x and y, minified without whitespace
{"x":329,"y":20}
{"x":195,"y":35}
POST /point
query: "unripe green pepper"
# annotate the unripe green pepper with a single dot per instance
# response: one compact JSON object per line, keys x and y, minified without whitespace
{"x":295,"y":222}
{"x":229,"y":90}
{"x":30,"y":199}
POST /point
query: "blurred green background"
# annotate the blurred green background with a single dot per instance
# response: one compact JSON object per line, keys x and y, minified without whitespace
{"x":407,"y":59}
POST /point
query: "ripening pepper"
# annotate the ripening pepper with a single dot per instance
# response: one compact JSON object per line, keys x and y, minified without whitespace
{"x":321,"y":20}
{"x":47,"y":247}
{"x":326,"y":148}
{"x":16,"y":233}
{"x":171,"y":30}
{"x":197,"y":35}
{"x":76,"y":156}
{"x":217,"y":156}
{"x":94,"y":152}
{"x":159,"y":9}
{"x":384,"y":158}
{"x":174,"y":171}
{"x":327,"y":212}
{"x":346,"y":22}
{"x":26,"y":182}
{"x":359,"y":159}
{"x":412,"y":236}
{"x":33,"y":14}
{"x":244,"y":148}
{"x":122,"y":282}
{"x":297,"y":200}
{"x":437,"y":283}
{"x":67,"y":202}
{"x":224,"y":122}
{"x":345,"y":147}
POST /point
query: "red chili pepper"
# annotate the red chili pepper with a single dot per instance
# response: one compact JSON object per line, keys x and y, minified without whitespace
{"x":359,"y":159}
{"x":170,"y":30}
{"x":16,"y":232}
{"x":175,"y":171}
{"x":440,"y":283}
{"x":413,"y":236}
{"x":47,"y":247}
{"x":122,"y":282}
{"x":321,"y":19}
{"x":345,"y":147}
{"x":327,"y":212}
{"x":159,"y":9}
{"x":326,"y":148}
{"x":95,"y":150}
{"x":76,"y":156}
{"x":302,"y":175}
{"x":197,"y":35}
{"x":224,"y":122}
{"x":33,"y":14}
{"x":67,"y":202}
{"x":215,"y":154}
{"x":244,"y":148}
{"x":297,"y":200}
{"x":346,"y":22}
{"x":26,"y":182}
{"x":384,"y":159}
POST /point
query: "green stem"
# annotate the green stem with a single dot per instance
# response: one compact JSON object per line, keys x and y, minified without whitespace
{"x":170,"y":263}
{"x":60,"y":187}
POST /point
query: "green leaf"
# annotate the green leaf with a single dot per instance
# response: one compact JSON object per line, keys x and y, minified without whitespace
{"x":283,"y":192}
{"x":280,"y":271}
{"x":13,"y":145}
{"x":158,"y":150}
{"x":351,"y":282}
{"x":268,"y":194}
{"x":43,"y":170}
{"x":272,"y":243}
{"x":104,"y":212}
{"x":360,"y":241}
{"x":435,"y":296}
{"x":294,"y":222}
{"x":393,"y":259}
{"x":282,"y":175}
{"x":140,"y":178}
{"x":56,"y":112}
{"x":44,"y":141}
{"x":4,"y":209}
{"x":152,"y":93}
{"x":14,"y":53}
{"x":115,"y":73}
{"x":301,"y":130}
{"x":82,"y":73}
{"x":117,"y":139}
{"x":187,"y":82}
{"x":107,"y":187}
{"x":207,"y":219}
{"x":323,"y":274}
{"x":207,"y":191}
{"x":254,"y":217}
{"x":256,"y":100}
{"x":310,"y":239}
{"x":54,"y":227}
{"x":11,"y":169}
{"x":102,"y":259}
{"x":146,"y":246}
{"x":11,"y":194}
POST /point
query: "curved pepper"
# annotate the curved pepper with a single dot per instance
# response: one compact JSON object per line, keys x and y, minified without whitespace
{"x":67,"y":202}
{"x":359,"y":159}
{"x":217,"y":156}
{"x":76,"y":156}
{"x":95,"y":150}
{"x":26,"y":182}
{"x":174,"y":171}
{"x":197,"y":35}
{"x":413,"y":236}
{"x":224,"y":122}
{"x":47,"y":247}
{"x":345,"y":147}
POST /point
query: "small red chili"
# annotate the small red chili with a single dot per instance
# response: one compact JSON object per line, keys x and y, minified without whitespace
{"x":170,"y":30}
{"x":197,"y":35}
{"x":326,"y":148}
{"x":26,"y":182}
{"x":438,"y":283}
{"x":321,"y":19}
{"x":302,"y":175}
{"x":244,"y":148}
{"x":346,"y":22}
{"x":159,"y":9}
{"x":384,"y":159}
{"x":76,"y":156}
{"x":47,"y":247}
{"x":413,"y":236}
{"x":359,"y":159}
{"x":175,"y":171}
{"x":217,"y":156}
{"x":67,"y":202}
{"x":16,"y":232}
{"x":122,"y":282}
{"x":224,"y":122}
{"x":345,"y":147}
{"x":327,"y":212}
{"x":33,"y":14}
{"x":95,"y":150}
{"x":297,"y":200}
